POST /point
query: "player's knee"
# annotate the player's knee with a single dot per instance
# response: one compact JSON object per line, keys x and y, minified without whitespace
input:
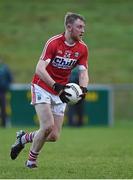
{"x":48,"y":130}
{"x":53,"y":137}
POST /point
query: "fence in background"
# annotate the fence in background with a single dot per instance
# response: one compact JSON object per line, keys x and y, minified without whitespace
{"x":123,"y":101}
{"x":103,"y":105}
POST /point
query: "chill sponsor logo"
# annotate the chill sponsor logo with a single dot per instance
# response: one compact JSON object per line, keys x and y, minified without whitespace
{"x":64,"y":63}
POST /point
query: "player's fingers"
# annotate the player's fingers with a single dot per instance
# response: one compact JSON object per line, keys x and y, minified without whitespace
{"x":66,"y":100}
{"x":82,"y":95}
{"x":67,"y":94}
{"x":67,"y":86}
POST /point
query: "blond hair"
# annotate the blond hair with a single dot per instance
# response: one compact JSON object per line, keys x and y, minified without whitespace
{"x":70,"y":18}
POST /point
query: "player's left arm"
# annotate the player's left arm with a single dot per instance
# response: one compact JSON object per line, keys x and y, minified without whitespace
{"x":83,"y":71}
{"x":83,"y":81}
{"x":83,"y":77}
{"x":83,"y":68}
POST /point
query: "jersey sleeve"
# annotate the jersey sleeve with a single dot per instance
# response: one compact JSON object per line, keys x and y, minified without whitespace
{"x":83,"y":61}
{"x":48,"y":51}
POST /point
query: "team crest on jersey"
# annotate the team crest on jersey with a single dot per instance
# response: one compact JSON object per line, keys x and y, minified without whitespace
{"x":67,"y":54}
{"x":64,"y":63}
{"x":76,"y":54}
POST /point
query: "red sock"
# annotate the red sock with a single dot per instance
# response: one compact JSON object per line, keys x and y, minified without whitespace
{"x":33,"y":156}
{"x":28,"y":137}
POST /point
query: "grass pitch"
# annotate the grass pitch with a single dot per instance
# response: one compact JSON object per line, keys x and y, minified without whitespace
{"x":89,"y":152}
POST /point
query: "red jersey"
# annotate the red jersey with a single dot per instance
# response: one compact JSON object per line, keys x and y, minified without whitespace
{"x":64,"y":58}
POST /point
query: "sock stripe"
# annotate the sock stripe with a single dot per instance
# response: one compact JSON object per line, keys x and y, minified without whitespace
{"x":32,"y":156}
{"x":31,"y":159}
{"x":26,"y":137}
{"x":30,"y":137}
{"x":34,"y":153}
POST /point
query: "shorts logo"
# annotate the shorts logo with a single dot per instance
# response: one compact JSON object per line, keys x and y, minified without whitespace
{"x":64,"y":63}
{"x":38,"y":96}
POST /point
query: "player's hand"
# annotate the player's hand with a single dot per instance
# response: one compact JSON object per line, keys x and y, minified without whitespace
{"x":84,"y":91}
{"x":60,"y":90}
{"x":58,"y":87}
{"x":63,"y":97}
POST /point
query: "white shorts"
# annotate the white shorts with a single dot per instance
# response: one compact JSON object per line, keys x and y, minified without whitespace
{"x":39,"y":95}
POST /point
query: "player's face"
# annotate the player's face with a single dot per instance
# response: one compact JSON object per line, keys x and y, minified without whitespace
{"x":77,"y":29}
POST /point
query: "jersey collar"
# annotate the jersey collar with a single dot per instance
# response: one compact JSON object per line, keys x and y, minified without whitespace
{"x":66,"y":43}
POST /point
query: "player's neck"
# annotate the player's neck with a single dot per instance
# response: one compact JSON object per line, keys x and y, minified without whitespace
{"x":68,"y":39}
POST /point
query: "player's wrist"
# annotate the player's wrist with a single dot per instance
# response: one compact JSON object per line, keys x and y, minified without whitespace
{"x":84,"y":89}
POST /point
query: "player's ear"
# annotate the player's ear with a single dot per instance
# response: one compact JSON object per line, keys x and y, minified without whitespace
{"x":69,"y":27}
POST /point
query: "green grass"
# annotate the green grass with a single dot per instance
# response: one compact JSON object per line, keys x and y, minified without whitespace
{"x":26,"y":25}
{"x":94,"y":152}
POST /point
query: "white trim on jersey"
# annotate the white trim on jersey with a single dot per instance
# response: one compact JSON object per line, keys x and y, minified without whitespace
{"x":83,"y":43}
{"x":69,"y":44}
{"x":48,"y":60}
{"x":47,"y":43}
{"x":81,"y":67}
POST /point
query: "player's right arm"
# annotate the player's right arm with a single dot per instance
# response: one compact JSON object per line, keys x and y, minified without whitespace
{"x":44,"y":75}
{"x":46,"y":56}
{"x":42,"y":72}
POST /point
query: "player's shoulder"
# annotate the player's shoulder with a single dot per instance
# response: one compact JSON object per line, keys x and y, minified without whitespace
{"x":83,"y":45}
{"x":55,"y":38}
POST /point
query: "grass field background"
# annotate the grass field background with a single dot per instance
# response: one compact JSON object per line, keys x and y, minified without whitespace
{"x":95,"y":152}
{"x":26,"y":25}
{"x":88,"y":152}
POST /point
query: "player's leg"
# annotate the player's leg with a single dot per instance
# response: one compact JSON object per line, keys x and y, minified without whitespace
{"x":55,"y":133}
{"x":22,"y":138}
{"x":28,"y":137}
{"x":58,"y":109}
{"x":46,"y":125}
{"x":17,"y":146}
